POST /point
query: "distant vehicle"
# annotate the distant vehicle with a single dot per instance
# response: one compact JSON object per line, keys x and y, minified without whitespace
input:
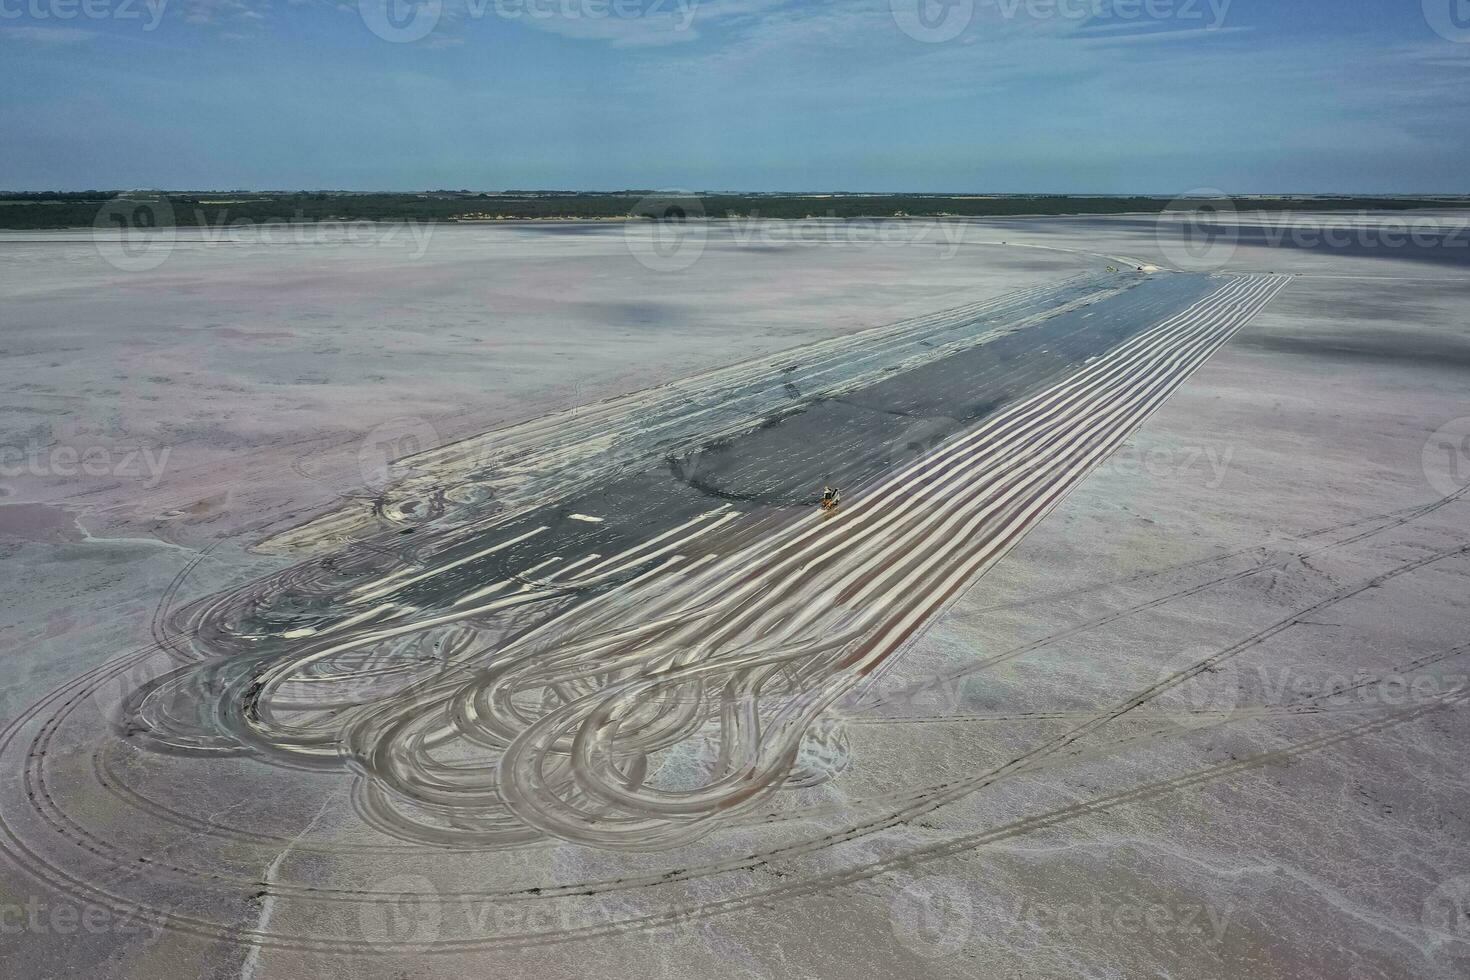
{"x":831,"y":497}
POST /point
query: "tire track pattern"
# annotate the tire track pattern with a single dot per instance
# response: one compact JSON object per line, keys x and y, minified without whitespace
{"x":554,"y":456}
{"x":759,"y":656}
{"x":745,"y":651}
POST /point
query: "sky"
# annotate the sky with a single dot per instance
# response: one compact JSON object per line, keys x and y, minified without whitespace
{"x":1002,"y":96}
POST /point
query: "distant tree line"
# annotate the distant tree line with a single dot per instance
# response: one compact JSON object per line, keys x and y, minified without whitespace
{"x":73,"y":209}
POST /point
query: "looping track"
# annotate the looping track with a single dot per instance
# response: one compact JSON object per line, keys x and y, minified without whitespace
{"x":746,"y":650}
{"x":649,"y":699}
{"x":660,"y":692}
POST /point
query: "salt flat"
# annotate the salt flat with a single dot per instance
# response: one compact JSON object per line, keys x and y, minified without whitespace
{"x":1288,"y":517}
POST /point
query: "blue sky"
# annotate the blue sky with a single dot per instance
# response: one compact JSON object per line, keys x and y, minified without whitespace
{"x":1113,"y":96}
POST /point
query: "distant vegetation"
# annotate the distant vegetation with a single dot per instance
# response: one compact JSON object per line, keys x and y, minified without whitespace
{"x":73,"y":209}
